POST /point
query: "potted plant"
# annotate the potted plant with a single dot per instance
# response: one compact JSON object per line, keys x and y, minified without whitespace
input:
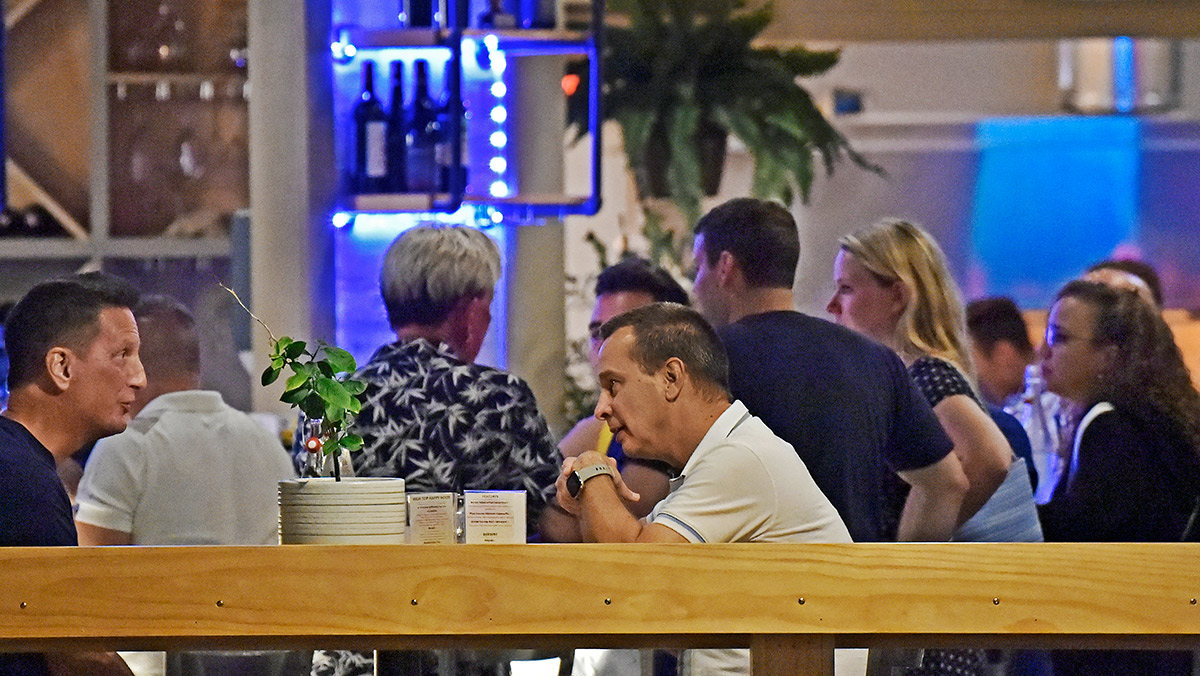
{"x":321,"y":386}
{"x":328,"y":510}
{"x":683,"y":74}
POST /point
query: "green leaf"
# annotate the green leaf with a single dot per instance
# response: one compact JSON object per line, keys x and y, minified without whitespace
{"x":352,"y":442}
{"x":296,"y":397}
{"x":331,"y":445}
{"x":270,"y":375}
{"x":295,"y":349}
{"x":354,"y":387}
{"x":295,"y":380}
{"x":341,"y":360}
{"x":312,"y":405}
{"x":334,"y":393}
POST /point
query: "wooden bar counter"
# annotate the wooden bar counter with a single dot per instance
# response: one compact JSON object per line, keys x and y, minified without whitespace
{"x":792,"y":604}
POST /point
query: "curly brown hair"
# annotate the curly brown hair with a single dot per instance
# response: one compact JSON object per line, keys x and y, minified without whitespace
{"x":1149,"y":378}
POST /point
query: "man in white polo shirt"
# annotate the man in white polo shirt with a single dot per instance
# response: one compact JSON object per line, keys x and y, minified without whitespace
{"x":664,"y":393}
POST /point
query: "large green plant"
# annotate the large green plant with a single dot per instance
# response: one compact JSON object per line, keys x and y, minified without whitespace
{"x":680,"y":66}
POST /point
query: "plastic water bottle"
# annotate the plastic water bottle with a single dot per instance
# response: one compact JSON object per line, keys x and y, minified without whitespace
{"x":1041,"y":426}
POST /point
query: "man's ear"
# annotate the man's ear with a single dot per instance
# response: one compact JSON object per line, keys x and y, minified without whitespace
{"x":672,"y":374}
{"x":728,"y":269}
{"x":60,"y":364}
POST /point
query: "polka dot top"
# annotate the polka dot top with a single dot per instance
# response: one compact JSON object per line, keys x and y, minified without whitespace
{"x":938,"y":379}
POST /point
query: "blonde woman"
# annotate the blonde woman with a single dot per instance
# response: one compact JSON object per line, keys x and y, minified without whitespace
{"x":893,"y":285}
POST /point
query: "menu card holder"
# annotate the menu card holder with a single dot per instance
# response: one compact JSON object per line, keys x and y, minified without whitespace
{"x":495,"y":517}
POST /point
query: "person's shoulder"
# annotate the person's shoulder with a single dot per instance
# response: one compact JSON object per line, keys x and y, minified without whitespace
{"x":17,"y":444}
{"x":491,"y":376}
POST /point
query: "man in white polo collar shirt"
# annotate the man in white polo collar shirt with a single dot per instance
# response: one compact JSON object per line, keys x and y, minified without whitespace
{"x":664,"y":394}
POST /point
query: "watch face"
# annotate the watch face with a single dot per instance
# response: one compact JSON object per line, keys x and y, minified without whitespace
{"x":574,"y":484}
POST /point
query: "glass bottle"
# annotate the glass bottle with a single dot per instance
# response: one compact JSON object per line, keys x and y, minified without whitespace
{"x":1036,"y":413}
{"x":425,"y":134}
{"x":370,"y":137}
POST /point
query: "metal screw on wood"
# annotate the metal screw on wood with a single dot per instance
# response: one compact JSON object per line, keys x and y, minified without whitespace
{"x":608,"y":602}
{"x":1193,"y":603}
{"x":26,"y":605}
{"x":414,"y":602}
{"x":220,"y":604}
{"x":995,"y":601}
{"x":801,"y":600}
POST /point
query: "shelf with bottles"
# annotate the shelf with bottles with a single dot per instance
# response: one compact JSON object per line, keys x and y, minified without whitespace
{"x":380,"y":164}
{"x":352,"y":40}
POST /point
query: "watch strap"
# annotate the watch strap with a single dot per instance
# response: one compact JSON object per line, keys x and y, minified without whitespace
{"x":582,"y":474}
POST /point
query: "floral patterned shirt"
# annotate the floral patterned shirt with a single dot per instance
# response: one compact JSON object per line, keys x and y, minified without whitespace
{"x":443,"y":424}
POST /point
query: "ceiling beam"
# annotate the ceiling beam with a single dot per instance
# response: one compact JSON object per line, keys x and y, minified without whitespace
{"x":902,"y":20}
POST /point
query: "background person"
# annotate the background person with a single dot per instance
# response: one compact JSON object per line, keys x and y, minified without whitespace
{"x":1134,"y":275}
{"x":663,"y":380}
{"x":189,"y":469}
{"x":892,"y":284}
{"x":1000,"y":348}
{"x":845,"y":403}
{"x":1133,"y":473}
{"x":73,"y":376}
{"x":434,"y":417}
{"x":631,"y":283}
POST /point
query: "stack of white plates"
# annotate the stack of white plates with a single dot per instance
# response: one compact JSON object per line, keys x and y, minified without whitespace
{"x":362,"y":510}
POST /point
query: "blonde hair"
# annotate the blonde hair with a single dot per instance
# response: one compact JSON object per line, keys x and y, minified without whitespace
{"x":934,"y":321}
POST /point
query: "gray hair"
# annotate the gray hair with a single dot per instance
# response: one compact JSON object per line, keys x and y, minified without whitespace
{"x":428,"y":269}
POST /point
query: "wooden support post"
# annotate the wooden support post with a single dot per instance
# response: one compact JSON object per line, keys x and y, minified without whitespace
{"x":791,"y":655}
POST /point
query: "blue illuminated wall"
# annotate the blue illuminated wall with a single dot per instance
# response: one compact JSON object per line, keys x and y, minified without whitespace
{"x":359,"y":246}
{"x":1053,"y":195}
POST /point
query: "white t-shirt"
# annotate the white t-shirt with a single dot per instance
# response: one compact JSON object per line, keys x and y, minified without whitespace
{"x":744,"y":484}
{"x":189,"y":470}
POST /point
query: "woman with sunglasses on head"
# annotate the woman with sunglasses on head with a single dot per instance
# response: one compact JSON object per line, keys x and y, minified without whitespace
{"x":1133,"y":473}
{"x":893,"y":285}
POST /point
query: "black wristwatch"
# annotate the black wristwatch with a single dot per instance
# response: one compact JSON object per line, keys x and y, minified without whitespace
{"x":577,"y":478}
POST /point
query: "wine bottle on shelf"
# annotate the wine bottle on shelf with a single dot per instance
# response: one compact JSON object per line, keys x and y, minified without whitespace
{"x":425,"y":133}
{"x":397,"y":130}
{"x":370,"y":138}
{"x":496,"y":16}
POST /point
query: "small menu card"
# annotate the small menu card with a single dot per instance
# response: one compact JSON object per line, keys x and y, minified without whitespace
{"x":431,"y":518}
{"x":495,"y":517}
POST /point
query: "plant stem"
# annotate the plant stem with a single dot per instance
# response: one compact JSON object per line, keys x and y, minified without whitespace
{"x":261,"y":323}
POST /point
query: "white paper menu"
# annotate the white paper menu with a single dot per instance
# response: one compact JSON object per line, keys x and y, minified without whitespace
{"x":495,"y":517}
{"x":431,"y":518}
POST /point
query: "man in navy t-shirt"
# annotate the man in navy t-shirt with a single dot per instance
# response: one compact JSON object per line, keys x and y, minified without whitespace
{"x":73,"y":374}
{"x":844,"y":402}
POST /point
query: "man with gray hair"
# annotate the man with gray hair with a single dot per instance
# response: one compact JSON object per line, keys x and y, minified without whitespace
{"x":431,"y":415}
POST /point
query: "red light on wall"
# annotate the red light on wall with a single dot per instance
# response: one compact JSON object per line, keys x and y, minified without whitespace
{"x":570,"y":83}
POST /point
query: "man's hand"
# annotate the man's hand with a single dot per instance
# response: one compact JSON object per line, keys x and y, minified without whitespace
{"x":587,"y":459}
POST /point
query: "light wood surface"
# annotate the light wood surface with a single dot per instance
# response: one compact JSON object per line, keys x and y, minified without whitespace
{"x":869,"y":20}
{"x":580,"y":595}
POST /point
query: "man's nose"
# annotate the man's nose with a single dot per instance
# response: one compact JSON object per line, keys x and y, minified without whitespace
{"x":603,"y":406}
{"x":138,"y":379}
{"x":833,"y":307}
